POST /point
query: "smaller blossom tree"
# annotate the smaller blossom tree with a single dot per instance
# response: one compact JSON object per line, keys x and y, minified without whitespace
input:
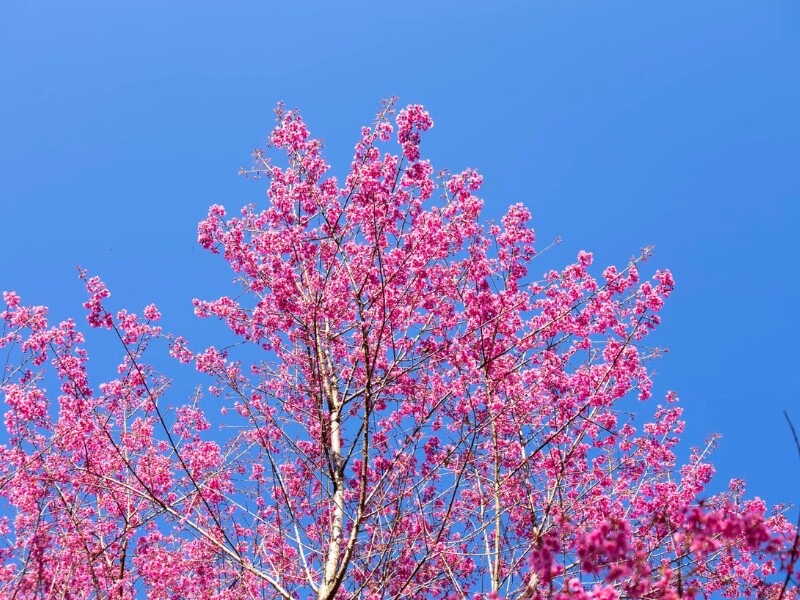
{"x":410,"y":414}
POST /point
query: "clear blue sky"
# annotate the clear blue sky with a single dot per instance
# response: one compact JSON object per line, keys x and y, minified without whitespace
{"x":619,"y":124}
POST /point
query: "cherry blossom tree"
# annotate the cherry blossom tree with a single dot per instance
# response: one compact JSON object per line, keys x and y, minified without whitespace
{"x":408,"y":411}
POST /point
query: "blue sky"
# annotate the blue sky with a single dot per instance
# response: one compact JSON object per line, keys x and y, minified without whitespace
{"x":619,"y":124}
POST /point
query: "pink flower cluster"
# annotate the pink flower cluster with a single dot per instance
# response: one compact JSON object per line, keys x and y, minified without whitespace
{"x":410,"y":122}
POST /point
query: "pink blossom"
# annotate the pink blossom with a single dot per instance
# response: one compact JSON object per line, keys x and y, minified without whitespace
{"x":404,"y":408}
